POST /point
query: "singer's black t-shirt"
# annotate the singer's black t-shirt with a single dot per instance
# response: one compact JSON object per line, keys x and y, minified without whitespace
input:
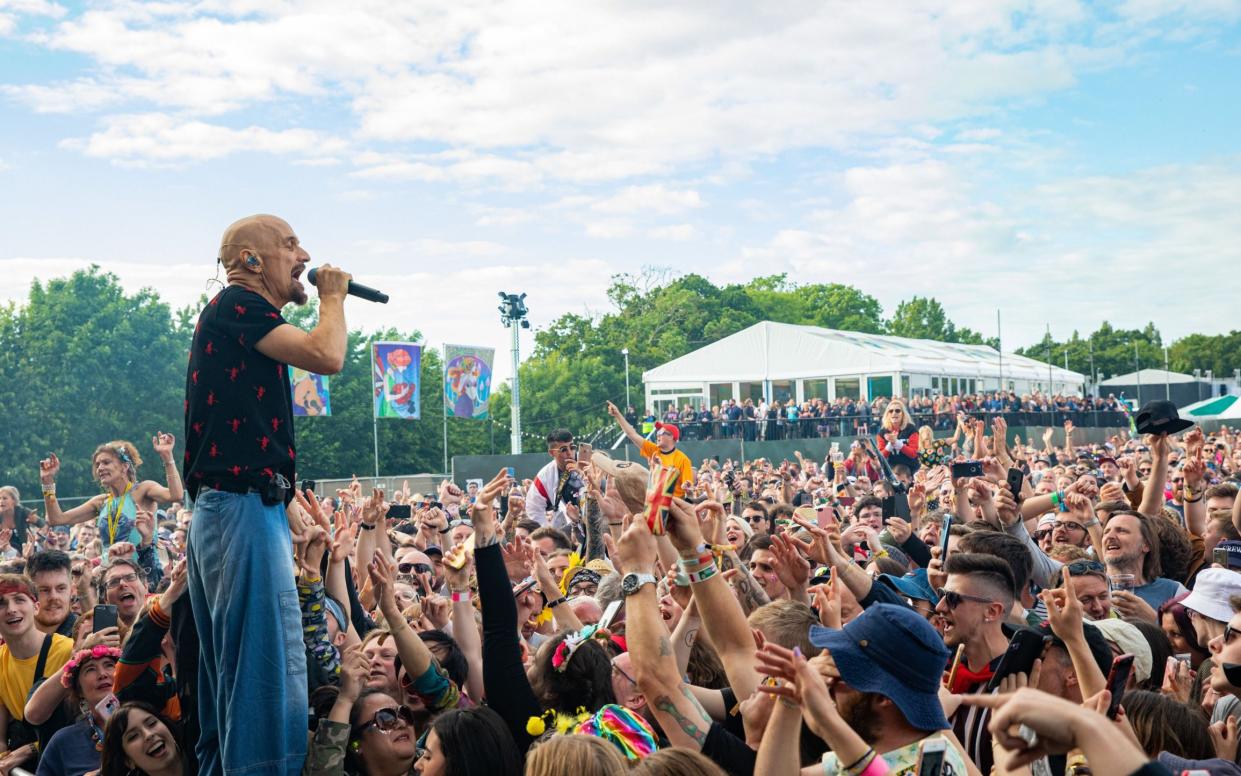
{"x":238,"y":402}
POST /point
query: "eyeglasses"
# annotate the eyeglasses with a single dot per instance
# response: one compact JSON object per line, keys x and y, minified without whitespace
{"x":387,"y":720}
{"x":115,"y":582}
{"x":565,"y":449}
{"x":415,"y":568}
{"x":955,"y":599}
{"x":1069,"y":525}
{"x":622,"y":672}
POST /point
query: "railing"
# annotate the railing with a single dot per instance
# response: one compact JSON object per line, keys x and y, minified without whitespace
{"x":854,"y":425}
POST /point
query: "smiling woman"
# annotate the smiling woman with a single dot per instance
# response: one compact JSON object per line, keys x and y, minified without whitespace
{"x":139,"y":741}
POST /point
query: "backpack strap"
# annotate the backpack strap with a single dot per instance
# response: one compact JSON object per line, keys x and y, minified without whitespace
{"x":41,"y":665}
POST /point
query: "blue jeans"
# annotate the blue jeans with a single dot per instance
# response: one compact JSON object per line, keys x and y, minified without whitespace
{"x":252,"y":697}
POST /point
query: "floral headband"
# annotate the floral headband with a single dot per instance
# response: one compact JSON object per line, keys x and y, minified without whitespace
{"x":124,"y":456}
{"x":573,"y":642}
{"x":70,"y":671}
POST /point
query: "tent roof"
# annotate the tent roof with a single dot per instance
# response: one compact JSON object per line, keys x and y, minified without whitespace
{"x":1217,"y":407}
{"x":782,"y":351}
{"x":1149,"y":377}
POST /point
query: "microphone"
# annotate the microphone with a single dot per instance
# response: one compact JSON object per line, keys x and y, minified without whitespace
{"x":355,"y":289}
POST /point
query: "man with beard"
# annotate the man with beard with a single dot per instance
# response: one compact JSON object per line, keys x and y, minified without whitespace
{"x":240,"y":459}
{"x":1130,"y":546}
{"x":50,"y":572}
{"x":886,"y":666}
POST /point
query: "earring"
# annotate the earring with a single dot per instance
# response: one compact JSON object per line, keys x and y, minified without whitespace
{"x":252,"y":260}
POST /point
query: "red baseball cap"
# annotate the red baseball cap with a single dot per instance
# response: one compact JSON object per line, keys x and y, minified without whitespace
{"x":671,"y":429}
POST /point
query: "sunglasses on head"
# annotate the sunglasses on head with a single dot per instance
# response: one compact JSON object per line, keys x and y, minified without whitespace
{"x":456,"y":523}
{"x":413,"y":568}
{"x":1079,"y":567}
{"x":387,"y":720}
{"x":955,"y":599}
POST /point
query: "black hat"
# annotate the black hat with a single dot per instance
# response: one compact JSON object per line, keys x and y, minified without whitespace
{"x":1160,"y":417}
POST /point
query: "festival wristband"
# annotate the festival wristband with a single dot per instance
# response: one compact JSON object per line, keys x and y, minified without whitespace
{"x":703,"y":574}
{"x":460,"y":596}
{"x":366,"y":526}
{"x":558,"y":602}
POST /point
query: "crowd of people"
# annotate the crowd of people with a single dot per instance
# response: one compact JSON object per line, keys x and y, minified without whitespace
{"x":788,"y":619}
{"x":752,"y":419}
{"x":970,"y":604}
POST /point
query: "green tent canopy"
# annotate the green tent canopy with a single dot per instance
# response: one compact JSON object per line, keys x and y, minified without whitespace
{"x":1219,"y":407}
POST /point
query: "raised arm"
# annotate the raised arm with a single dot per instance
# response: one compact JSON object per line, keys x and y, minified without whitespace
{"x":149,"y":490}
{"x":678,"y":712}
{"x":464,"y":626}
{"x":48,"y":469}
{"x":1152,"y":497}
{"x":721,"y":614}
{"x":1195,"y":470}
{"x":630,"y":431}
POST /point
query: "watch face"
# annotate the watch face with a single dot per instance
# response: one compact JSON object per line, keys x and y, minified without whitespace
{"x":629,"y":585}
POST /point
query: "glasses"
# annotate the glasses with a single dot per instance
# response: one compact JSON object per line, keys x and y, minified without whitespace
{"x":387,"y":720}
{"x":1041,"y":535}
{"x":955,"y":599}
{"x":458,"y":523}
{"x":565,"y":449}
{"x":623,"y":673}
{"x":1228,"y":632}
{"x":752,"y":519}
{"x":1069,"y":525}
{"x":414,"y":568}
{"x":116,"y":582}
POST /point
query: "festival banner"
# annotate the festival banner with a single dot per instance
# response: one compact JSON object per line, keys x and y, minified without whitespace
{"x":467,"y":381}
{"x":396,"y":378}
{"x":311,"y":394}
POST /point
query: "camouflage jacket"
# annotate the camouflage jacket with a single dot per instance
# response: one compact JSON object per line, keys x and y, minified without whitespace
{"x":327,"y":750}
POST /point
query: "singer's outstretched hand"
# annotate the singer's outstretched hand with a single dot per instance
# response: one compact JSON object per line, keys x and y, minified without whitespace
{"x":331,"y":281}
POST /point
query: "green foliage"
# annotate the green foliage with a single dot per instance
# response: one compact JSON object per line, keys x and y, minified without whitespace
{"x":1113,"y":350}
{"x":920,"y":318}
{"x":83,"y":364}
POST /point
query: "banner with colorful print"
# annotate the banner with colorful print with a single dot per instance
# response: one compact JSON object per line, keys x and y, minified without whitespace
{"x":396,"y":379}
{"x":311,"y":394}
{"x":467,"y":381}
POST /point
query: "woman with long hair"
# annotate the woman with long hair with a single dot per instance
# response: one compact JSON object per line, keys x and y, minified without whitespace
{"x":139,"y":741}
{"x":575,"y":755}
{"x":13,"y":517}
{"x":125,"y":511}
{"x":898,"y":437}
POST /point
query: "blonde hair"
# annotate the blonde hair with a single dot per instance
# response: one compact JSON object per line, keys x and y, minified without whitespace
{"x":926,"y":435}
{"x":905,"y":419}
{"x":123,"y":451}
{"x":575,"y":755}
{"x":676,"y":761}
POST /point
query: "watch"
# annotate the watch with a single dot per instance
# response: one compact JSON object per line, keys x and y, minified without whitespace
{"x":632,"y":583}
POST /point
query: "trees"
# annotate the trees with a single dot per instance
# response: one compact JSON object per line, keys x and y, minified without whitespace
{"x":920,"y":318}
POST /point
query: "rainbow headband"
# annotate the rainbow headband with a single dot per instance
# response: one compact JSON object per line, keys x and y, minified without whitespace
{"x":625,"y":730}
{"x":573,"y":642}
{"x":95,"y":653}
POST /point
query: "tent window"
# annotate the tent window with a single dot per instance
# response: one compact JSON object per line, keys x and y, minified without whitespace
{"x":814,"y":389}
{"x":848,"y":388}
{"x":752,"y":391}
{"x":782,"y":390}
{"x":720,"y":393}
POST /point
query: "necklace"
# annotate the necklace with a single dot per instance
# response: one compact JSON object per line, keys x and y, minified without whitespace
{"x":114,"y":517}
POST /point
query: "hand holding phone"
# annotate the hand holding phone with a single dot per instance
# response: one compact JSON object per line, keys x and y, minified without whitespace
{"x":105,"y":617}
{"x":1117,"y":678}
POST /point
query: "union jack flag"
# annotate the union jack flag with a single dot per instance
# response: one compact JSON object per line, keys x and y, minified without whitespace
{"x":659,"y":491}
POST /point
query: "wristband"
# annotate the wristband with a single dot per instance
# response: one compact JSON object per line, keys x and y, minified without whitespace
{"x":446,"y":530}
{"x":459,"y":596}
{"x":365,"y":526}
{"x":688,"y":564}
{"x":1091,"y":524}
{"x":703,"y":574}
{"x":558,"y":602}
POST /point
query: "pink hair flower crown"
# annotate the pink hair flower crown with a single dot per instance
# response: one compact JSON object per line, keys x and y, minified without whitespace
{"x":573,"y":642}
{"x":94,"y":653}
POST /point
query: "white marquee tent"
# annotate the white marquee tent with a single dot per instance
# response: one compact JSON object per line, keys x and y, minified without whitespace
{"x":780,"y":361}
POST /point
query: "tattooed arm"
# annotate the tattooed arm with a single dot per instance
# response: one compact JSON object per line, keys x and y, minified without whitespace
{"x":749,"y":593}
{"x":684,"y":636}
{"x":593,"y":520}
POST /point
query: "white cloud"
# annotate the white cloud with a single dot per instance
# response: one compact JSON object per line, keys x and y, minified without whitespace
{"x":34,"y":8}
{"x":593,"y":92}
{"x":655,"y":198}
{"x":162,"y":139}
{"x":676,"y":232}
{"x":435,"y":249}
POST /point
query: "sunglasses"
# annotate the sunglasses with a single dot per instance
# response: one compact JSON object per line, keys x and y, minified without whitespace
{"x":1041,"y":535}
{"x":457,"y":523}
{"x":1228,"y":633}
{"x":413,"y":568}
{"x":1079,"y":567}
{"x":955,"y":599}
{"x":387,"y":720}
{"x":565,"y":449}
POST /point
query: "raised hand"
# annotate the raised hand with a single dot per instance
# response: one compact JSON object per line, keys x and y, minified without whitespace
{"x":144,"y":522}
{"x":1224,"y":737}
{"x":483,"y":514}
{"x":1064,"y":611}
{"x":355,"y":668}
{"x":163,"y":444}
{"x":48,"y":469}
{"x":176,"y":587}
{"x":373,"y":509}
{"x":615,"y":412}
{"x":343,"y":543}
{"x":382,"y":573}
{"x":637,"y":549}
{"x":792,"y":569}
{"x":683,"y":528}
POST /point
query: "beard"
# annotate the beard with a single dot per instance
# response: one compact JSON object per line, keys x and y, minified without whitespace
{"x":862,"y":718}
{"x":297,"y":293}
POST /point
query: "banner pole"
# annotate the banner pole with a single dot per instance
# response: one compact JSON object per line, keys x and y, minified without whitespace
{"x":374,"y":415}
{"x":444,"y":406}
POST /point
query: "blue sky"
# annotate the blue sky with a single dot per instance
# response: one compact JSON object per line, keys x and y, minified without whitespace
{"x":1064,"y":162}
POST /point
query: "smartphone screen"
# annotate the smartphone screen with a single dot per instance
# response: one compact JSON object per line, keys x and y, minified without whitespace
{"x":966,"y":469}
{"x":1015,"y":480}
{"x":1220,"y":555}
{"x":1117,"y":678}
{"x":945,"y":532}
{"x":931,"y":757}
{"x":399,"y":511}
{"x":1026,"y":647}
